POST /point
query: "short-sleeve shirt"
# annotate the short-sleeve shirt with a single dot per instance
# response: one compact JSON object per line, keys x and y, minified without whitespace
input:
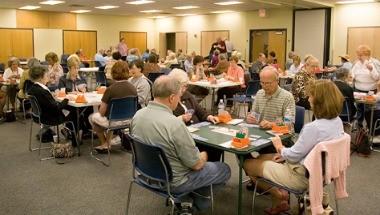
{"x":119,"y":89}
{"x":156,"y":125}
{"x":274,"y":106}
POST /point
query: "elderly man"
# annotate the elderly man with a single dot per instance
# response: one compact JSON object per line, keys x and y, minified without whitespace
{"x":156,"y":125}
{"x":271,"y":102}
{"x":258,"y":65}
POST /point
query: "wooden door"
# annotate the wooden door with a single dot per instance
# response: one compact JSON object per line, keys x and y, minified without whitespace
{"x":363,"y":36}
{"x":85,"y":40}
{"x":162,"y":45}
{"x":22,"y":43}
{"x":6,"y":45}
{"x":209,"y":37}
{"x":135,"y":40}
{"x":257,"y":45}
{"x":181,"y":41}
{"x":277,"y":43}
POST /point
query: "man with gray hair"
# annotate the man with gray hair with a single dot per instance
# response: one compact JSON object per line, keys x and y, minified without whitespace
{"x":342,"y":79}
{"x":156,"y":125}
{"x":271,"y":102}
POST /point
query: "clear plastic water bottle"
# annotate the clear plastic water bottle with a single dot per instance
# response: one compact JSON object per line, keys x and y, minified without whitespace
{"x":289,"y":120}
{"x":221,"y":107}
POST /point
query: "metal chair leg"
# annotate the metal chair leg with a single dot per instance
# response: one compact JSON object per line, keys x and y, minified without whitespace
{"x":129,"y":197}
{"x":212,"y":199}
{"x":254,"y":197}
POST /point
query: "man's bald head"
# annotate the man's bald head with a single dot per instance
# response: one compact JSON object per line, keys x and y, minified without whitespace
{"x":269,"y":72}
{"x":269,"y":80}
{"x":164,"y":86}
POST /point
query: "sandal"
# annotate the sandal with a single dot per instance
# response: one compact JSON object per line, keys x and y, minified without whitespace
{"x":282,"y":207}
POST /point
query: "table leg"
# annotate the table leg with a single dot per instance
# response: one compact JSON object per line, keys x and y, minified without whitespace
{"x":371,"y":132}
{"x":212,"y":101}
{"x":79,"y":140}
{"x":240,"y":194}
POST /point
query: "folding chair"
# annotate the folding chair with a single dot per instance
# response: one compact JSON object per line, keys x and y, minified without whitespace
{"x":154,"y":173}
{"x":300,"y":118}
{"x":302,"y":194}
{"x":120,"y":112}
{"x":154,"y":75}
{"x":345,"y":116}
{"x":252,"y":88}
{"x":101,"y":79}
{"x":36,"y":118}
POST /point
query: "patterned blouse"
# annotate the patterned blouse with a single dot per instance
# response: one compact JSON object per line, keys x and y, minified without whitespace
{"x":299,"y":84}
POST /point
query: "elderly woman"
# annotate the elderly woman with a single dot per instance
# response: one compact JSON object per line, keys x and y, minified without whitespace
{"x":140,"y":82}
{"x":32,"y":62}
{"x":120,"y":89}
{"x":236,"y":74}
{"x":342,"y":78}
{"x":133,"y":55}
{"x":301,"y":79}
{"x":295,"y":66}
{"x":286,"y":167}
{"x":72,"y":81}
{"x":171,"y":59}
{"x":151,"y":66}
{"x":197,"y":73}
{"x":221,"y":68}
{"x":13,"y":72}
{"x":365,"y":75}
{"x":190,"y":112}
{"x":55,"y":70}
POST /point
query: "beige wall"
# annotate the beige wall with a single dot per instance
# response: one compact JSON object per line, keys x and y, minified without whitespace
{"x":354,"y":15}
{"x":108,"y":28}
{"x":47,"y":40}
{"x":7,"y":18}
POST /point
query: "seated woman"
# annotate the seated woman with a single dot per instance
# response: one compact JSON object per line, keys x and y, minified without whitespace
{"x":140,"y":82}
{"x":197,"y":73}
{"x":151,"y":66}
{"x":342,"y":77}
{"x":72,"y":81}
{"x":236,"y":74}
{"x":221,"y":68}
{"x":25,"y":82}
{"x":13,"y":72}
{"x":120,"y":89}
{"x":55,"y":70}
{"x":295,"y":66}
{"x":190,"y":112}
{"x":286,"y":167}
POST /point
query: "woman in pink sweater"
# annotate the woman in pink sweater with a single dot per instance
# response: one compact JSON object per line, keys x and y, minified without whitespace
{"x":287,"y":166}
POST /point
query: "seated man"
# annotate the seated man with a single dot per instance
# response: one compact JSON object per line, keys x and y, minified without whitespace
{"x":271,"y":101}
{"x":156,"y":125}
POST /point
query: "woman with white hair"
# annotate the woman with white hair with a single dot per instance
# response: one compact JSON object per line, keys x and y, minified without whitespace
{"x":190,"y":111}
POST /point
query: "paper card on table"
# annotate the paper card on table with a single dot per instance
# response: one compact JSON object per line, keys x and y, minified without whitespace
{"x":255,"y":136}
{"x":226,"y":131}
{"x":260,"y":142}
{"x":201,"y":124}
{"x":226,"y":144}
{"x":192,"y":129}
{"x":197,"y":137}
{"x":235,"y":121}
{"x":249,"y":125}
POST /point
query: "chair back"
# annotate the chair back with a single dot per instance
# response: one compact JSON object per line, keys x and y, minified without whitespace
{"x":151,"y":161}
{"x":154,"y":75}
{"x":98,"y":64}
{"x":300,"y":118}
{"x":255,"y":76}
{"x":123,"y":108}
{"x":175,"y":66}
{"x":2,"y":67}
{"x":36,"y":110}
{"x":64,"y":58}
{"x":101,"y":78}
{"x":345,"y":115}
{"x":252,"y":87}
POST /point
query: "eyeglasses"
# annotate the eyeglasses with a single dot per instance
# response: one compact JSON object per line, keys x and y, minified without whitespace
{"x":266,"y":83}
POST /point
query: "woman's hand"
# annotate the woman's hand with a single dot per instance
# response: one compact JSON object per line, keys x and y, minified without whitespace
{"x":213,"y":119}
{"x":277,"y":144}
{"x":369,"y":67}
{"x":278,"y":158}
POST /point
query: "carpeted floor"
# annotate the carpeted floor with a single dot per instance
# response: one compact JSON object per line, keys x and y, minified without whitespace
{"x":84,"y":186}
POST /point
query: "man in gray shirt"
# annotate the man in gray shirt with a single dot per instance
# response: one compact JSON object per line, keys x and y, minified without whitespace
{"x":157,"y":125}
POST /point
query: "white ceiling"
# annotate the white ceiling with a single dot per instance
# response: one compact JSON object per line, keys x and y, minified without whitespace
{"x":206,"y":6}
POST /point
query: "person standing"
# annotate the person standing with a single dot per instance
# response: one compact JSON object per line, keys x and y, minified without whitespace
{"x":122,"y":48}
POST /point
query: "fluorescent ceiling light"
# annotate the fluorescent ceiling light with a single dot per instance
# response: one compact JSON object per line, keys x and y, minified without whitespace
{"x":139,"y":2}
{"x":29,"y":7}
{"x":106,"y":7}
{"x":52,"y":2}
{"x":157,"y":17}
{"x":186,"y":7}
{"x":187,"y":14}
{"x":80,"y":11}
{"x":223,"y":11}
{"x":151,"y":11}
{"x":224,"y":3}
{"x":354,"y":1}
{"x":268,"y":2}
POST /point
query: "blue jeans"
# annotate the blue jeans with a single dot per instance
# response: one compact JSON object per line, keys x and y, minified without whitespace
{"x":199,"y":181}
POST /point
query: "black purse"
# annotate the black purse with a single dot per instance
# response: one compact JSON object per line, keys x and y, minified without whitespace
{"x":10,"y":116}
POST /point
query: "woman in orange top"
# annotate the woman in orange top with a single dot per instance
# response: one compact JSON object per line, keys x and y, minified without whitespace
{"x":236,"y":74}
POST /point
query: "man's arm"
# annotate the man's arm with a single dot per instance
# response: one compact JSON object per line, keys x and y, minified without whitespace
{"x":201,"y":162}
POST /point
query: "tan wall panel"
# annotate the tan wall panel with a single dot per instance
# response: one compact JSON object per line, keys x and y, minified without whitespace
{"x":22,"y":43}
{"x":363,"y":36}
{"x":74,"y":40}
{"x":63,"y":21}
{"x":277,"y":43}
{"x":162,"y":44}
{"x":135,"y":40}
{"x":181,"y":41}
{"x":32,"y":19}
{"x":6,"y":45}
{"x":209,"y":37}
{"x":257,"y":45}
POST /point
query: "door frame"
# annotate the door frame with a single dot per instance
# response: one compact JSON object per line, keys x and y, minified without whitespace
{"x":266,"y":29}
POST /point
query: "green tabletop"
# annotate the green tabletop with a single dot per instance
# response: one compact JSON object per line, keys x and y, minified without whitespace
{"x":215,"y":139}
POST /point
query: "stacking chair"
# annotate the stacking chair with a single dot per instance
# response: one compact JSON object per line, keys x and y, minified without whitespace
{"x":101,"y":79}
{"x":301,"y":195}
{"x":36,"y":118}
{"x":175,"y":66}
{"x":154,"y":75}
{"x":252,"y":88}
{"x":300,"y":118}
{"x":154,"y":173}
{"x":121,"y":112}
{"x":345,"y":115}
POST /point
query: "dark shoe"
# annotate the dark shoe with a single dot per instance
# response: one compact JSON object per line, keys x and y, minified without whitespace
{"x":184,"y":208}
{"x":101,"y":151}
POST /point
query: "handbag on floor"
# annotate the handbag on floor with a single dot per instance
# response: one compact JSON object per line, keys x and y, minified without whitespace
{"x":10,"y":116}
{"x":62,"y":150}
{"x":360,"y":142}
